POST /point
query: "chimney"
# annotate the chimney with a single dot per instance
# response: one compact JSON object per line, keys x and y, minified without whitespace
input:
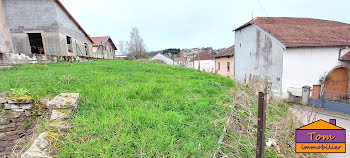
{"x":333,"y":122}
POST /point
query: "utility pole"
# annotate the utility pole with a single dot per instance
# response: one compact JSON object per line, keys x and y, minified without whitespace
{"x":193,"y":60}
{"x":199,"y":61}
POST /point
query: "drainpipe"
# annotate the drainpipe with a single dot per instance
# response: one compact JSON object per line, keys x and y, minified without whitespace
{"x":341,"y":50}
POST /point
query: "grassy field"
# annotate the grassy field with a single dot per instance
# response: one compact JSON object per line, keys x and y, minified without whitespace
{"x":132,"y":109}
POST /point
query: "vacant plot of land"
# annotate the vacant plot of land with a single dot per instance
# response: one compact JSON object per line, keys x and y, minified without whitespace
{"x":131,"y":109}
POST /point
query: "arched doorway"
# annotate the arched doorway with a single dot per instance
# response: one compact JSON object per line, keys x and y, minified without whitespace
{"x":337,"y":84}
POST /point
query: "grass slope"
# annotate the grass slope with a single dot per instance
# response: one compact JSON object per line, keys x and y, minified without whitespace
{"x":131,"y":109}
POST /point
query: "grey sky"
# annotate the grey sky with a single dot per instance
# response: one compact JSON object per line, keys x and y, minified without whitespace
{"x":191,"y":23}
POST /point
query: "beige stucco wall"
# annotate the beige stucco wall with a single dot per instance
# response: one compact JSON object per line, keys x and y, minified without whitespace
{"x":223,"y":66}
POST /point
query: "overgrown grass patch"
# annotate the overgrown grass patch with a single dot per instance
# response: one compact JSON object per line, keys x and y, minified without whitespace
{"x":131,"y":109}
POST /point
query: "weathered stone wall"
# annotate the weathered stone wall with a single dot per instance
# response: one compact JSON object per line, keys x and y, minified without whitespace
{"x":8,"y":59}
{"x":16,"y":128}
{"x":61,"y":108}
{"x":258,"y":54}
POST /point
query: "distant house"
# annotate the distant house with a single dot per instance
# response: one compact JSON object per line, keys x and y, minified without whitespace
{"x":40,"y":31}
{"x":164,"y":58}
{"x":224,"y":62}
{"x":282,"y":53}
{"x":103,"y":47}
{"x":204,"y":61}
{"x":182,"y":61}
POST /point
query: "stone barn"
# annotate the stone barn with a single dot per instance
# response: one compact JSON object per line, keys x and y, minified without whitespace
{"x":103,"y":47}
{"x":34,"y":31}
{"x":282,"y":54}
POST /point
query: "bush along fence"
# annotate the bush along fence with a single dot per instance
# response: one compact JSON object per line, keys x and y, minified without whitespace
{"x":17,"y":129}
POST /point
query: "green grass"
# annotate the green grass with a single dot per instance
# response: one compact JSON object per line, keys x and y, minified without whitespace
{"x":131,"y":109}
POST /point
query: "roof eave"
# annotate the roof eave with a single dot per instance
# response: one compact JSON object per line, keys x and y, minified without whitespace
{"x":72,"y":18}
{"x":243,"y":26}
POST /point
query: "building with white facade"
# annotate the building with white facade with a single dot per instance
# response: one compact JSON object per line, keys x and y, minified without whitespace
{"x":204,"y":62}
{"x":280,"y":53}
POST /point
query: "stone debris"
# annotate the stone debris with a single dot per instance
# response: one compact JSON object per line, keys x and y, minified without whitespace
{"x":64,"y":101}
{"x":40,"y":148}
{"x":17,"y":104}
{"x":18,"y":107}
{"x":20,"y":100}
{"x":3,"y":100}
{"x":61,"y":108}
{"x":59,"y":124}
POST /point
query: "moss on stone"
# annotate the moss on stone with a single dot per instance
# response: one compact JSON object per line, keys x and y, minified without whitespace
{"x":39,"y":108}
{"x":68,"y":103}
{"x":21,"y":98}
{"x":52,"y":136}
{"x":57,"y":121}
{"x":65,"y":111}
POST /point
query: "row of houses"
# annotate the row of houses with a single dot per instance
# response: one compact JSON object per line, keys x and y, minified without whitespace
{"x":34,"y":31}
{"x":282,"y":54}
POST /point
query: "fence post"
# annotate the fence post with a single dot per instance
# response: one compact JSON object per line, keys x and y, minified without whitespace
{"x":260,"y":145}
{"x":306,"y":95}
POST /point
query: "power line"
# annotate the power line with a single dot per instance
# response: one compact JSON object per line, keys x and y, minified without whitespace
{"x":263,"y":8}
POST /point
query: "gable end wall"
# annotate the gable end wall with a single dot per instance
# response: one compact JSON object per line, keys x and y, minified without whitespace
{"x":258,"y":60}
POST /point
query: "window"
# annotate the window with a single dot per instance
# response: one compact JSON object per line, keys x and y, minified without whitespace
{"x":218,"y":65}
{"x":36,"y":43}
{"x":69,"y":44}
{"x":228,"y":66}
{"x":69,"y":40}
{"x":86,"y":49}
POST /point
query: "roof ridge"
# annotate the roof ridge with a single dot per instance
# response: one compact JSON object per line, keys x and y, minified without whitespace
{"x":73,"y":19}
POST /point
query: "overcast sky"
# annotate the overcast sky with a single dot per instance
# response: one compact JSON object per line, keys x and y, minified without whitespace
{"x":191,"y":23}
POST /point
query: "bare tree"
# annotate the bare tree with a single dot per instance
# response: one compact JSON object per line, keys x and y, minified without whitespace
{"x":122,"y":48}
{"x":136,"y":46}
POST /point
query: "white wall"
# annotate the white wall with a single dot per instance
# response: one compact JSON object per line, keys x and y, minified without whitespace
{"x":165,"y":59}
{"x":258,"y":54}
{"x":305,"y":66}
{"x":205,"y":65}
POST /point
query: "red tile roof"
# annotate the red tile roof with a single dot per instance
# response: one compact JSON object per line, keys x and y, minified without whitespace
{"x":180,"y":59}
{"x":226,"y":52}
{"x":97,"y":41}
{"x":204,"y":55}
{"x":304,"y":32}
{"x":72,"y":18}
